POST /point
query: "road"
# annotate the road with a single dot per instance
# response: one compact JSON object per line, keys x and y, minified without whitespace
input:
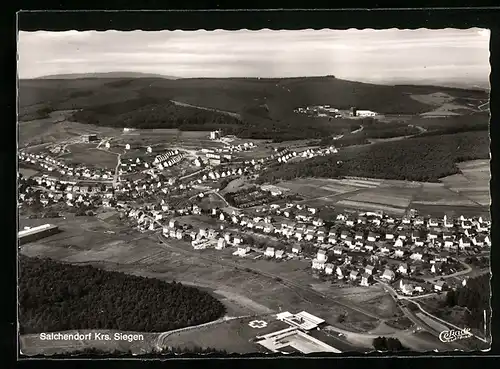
{"x":234,"y":115}
{"x":413,"y":318}
{"x":293,"y":285}
{"x":194,"y":173}
{"x":160,"y":344}
{"x":467,"y":270}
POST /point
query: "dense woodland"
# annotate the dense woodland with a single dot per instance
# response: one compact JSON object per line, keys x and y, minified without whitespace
{"x":57,"y":297}
{"x":475,"y":296}
{"x":417,"y":159}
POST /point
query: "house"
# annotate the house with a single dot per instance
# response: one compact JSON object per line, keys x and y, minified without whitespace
{"x":440,"y":286}
{"x":372,"y":237}
{"x":398,"y":243}
{"x":349,"y":241}
{"x":418,"y":221}
{"x":386,"y":249}
{"x":447,"y":235}
{"x":464,"y":242}
{"x":297,"y":249}
{"x":337,"y":250}
{"x":321,"y":238}
{"x":432,"y":235}
{"x":406,"y":220}
{"x":448,"y":222}
{"x":417,"y":255}
{"x":403,"y":268}
{"x":369,"y":246}
{"x":329,"y":267}
{"x":436,"y":267}
{"x":237,"y":241}
{"x":349,"y":222}
{"x":353,"y":276}
{"x":358,"y":236}
{"x":389,"y":236}
{"x":173,"y":223}
{"x":478,"y":240}
{"x":243,"y":250}
{"x":419,"y":242}
{"x":344,"y":235}
{"x":318,"y":264}
{"x":388,"y":275}
{"x":433,"y":222}
{"x":321,"y":255}
{"x":399,"y":253}
{"x":279,"y":254}
{"x":366,"y":280}
{"x":340,"y":272}
{"x":269,"y":252}
{"x":448,"y":244}
{"x":466,"y":224}
{"x":221,"y":243}
{"x":406,"y":288}
{"x":309,"y":236}
{"x":370,"y":269}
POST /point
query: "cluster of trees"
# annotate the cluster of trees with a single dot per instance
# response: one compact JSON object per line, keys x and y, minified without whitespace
{"x":57,"y":297}
{"x":418,"y":159}
{"x":388,"y":344}
{"x":150,"y":113}
{"x":453,"y":124}
{"x":475,"y":296}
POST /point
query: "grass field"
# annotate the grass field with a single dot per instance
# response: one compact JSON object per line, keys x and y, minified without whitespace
{"x":88,"y":155}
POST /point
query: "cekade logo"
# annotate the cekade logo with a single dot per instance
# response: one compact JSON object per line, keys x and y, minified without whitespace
{"x":454,"y":335}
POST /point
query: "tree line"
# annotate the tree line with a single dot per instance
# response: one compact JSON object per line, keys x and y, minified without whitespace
{"x":55,"y":297}
{"x":424,"y":159}
{"x":475,"y":296}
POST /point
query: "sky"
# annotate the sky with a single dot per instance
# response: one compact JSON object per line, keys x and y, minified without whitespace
{"x":447,"y":56}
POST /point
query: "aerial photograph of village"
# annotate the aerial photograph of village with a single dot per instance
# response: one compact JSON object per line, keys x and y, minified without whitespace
{"x":259,"y":192}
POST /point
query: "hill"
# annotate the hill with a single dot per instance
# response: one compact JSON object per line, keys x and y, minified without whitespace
{"x":105,"y":75}
{"x":57,"y":297}
{"x":266,"y":106}
{"x":425,"y":159}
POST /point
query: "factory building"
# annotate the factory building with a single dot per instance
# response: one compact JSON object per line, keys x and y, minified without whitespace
{"x":36,"y":233}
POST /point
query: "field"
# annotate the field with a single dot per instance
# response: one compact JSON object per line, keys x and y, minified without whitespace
{"x":88,"y":155}
{"x":467,"y":192}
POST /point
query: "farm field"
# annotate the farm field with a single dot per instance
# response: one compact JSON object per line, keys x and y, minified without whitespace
{"x":467,"y":192}
{"x":88,"y":155}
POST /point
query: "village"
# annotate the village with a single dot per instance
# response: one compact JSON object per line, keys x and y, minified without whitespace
{"x":415,"y":253}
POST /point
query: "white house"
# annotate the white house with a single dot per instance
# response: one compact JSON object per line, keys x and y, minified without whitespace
{"x":329,"y":268}
{"x":337,"y":250}
{"x":403,"y":268}
{"x":269,"y":252}
{"x":371,"y":237}
{"x":388,"y":275}
{"x":321,"y":255}
{"x":296,"y":249}
{"x":318,"y":264}
{"x":221,"y":243}
{"x":398,"y":243}
{"x":399,"y":253}
{"x":279,"y":254}
{"x":353,"y":276}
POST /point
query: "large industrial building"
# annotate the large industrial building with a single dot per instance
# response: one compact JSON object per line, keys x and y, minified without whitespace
{"x":37,"y":233}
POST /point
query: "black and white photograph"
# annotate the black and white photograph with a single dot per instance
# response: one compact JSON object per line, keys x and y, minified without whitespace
{"x":281,"y":192}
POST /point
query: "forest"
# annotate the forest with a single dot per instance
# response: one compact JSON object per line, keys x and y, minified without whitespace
{"x":55,"y":297}
{"x":475,"y":296}
{"x":424,"y":159}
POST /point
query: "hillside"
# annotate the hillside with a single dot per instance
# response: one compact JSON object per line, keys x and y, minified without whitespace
{"x":57,"y":297}
{"x":427,"y":159}
{"x":106,"y":75}
{"x":266,"y":106}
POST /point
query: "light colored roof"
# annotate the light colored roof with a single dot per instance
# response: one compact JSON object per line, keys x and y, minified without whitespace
{"x":34,"y":230}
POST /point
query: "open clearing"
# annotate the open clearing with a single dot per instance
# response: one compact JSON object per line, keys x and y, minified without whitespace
{"x":468,"y":191}
{"x":88,"y":155}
